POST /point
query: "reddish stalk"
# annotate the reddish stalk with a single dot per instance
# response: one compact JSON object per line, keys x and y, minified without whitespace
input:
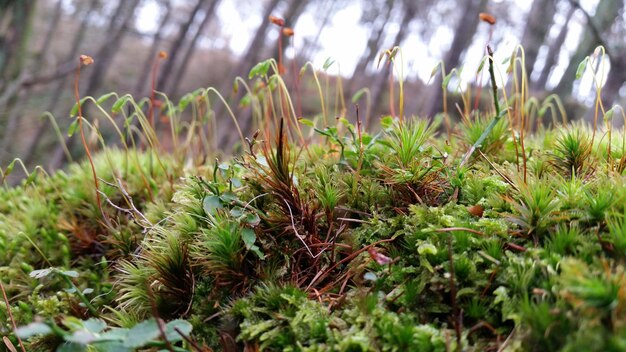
{"x":86,"y":60}
{"x":6,"y":301}
{"x":155,"y":67}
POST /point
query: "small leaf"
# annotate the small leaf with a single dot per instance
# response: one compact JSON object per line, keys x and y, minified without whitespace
{"x":259,"y":69}
{"x":104,"y":98}
{"x":118,"y":334}
{"x":386,"y":122}
{"x":72,"y":347}
{"x":94,"y":325}
{"x":72,"y":129}
{"x":119,"y":103}
{"x":426,"y":248}
{"x":446,"y":80}
{"x":307,"y":122}
{"x":482,"y":64}
{"x":81,"y":337}
{"x":228,"y":197}
{"x":33,"y":329}
{"x":210,"y":204}
{"x":74,"y":110}
{"x":87,"y":291}
{"x":70,"y":273}
{"x":249,"y":238}
{"x":38,"y":274}
{"x":581,"y":68}
{"x":184,"y":101}
{"x":235,"y":87}
{"x":110,"y":346}
{"x":31,"y":177}
{"x":359,"y":93}
{"x":236,"y":182}
{"x":181,"y":325}
{"x":244,"y":101}
{"x":141,"y":334}
{"x":434,"y":71}
{"x":328,"y":63}
{"x":9,"y":169}
{"x":252,"y":219}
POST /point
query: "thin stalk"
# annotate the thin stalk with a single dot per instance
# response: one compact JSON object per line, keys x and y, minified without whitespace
{"x":6,"y":301}
{"x":496,"y":118}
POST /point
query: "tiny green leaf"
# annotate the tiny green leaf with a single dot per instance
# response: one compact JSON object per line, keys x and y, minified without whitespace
{"x":119,"y":103}
{"x":185,"y":101}
{"x":446,"y":80}
{"x":9,"y":169}
{"x":359,"y":93}
{"x":104,"y":98}
{"x":434,"y":71}
{"x":259,"y":69}
{"x":73,"y":127}
{"x":74,"y":110}
{"x":307,"y":122}
{"x":581,"y":67}
{"x":328,"y":63}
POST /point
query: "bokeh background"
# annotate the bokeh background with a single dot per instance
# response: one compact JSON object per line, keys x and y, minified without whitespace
{"x":210,"y":42}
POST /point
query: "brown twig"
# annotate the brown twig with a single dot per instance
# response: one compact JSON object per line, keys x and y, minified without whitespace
{"x":6,"y":301}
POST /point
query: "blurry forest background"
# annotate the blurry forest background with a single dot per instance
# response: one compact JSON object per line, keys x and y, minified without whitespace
{"x":210,"y":42}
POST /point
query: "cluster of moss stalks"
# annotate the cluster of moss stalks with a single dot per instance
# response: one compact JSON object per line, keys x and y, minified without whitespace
{"x":354,"y":241}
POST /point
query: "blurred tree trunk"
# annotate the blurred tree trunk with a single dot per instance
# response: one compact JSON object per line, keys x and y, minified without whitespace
{"x":553,"y":52}
{"x":463,"y":34}
{"x":209,"y":13}
{"x":143,"y":83}
{"x":13,"y":55}
{"x":374,"y":44}
{"x":326,"y":7}
{"x":538,"y":23}
{"x":57,"y":91}
{"x":175,"y":49}
{"x":248,"y":59}
{"x":8,"y":144}
{"x":121,"y":21}
{"x":253,"y":53}
{"x":118,"y":27}
{"x":604,"y":17}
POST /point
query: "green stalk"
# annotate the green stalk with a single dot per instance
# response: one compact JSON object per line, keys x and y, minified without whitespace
{"x":499,"y":112}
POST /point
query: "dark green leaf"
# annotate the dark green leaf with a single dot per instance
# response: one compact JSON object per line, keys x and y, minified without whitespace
{"x":210,"y":204}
